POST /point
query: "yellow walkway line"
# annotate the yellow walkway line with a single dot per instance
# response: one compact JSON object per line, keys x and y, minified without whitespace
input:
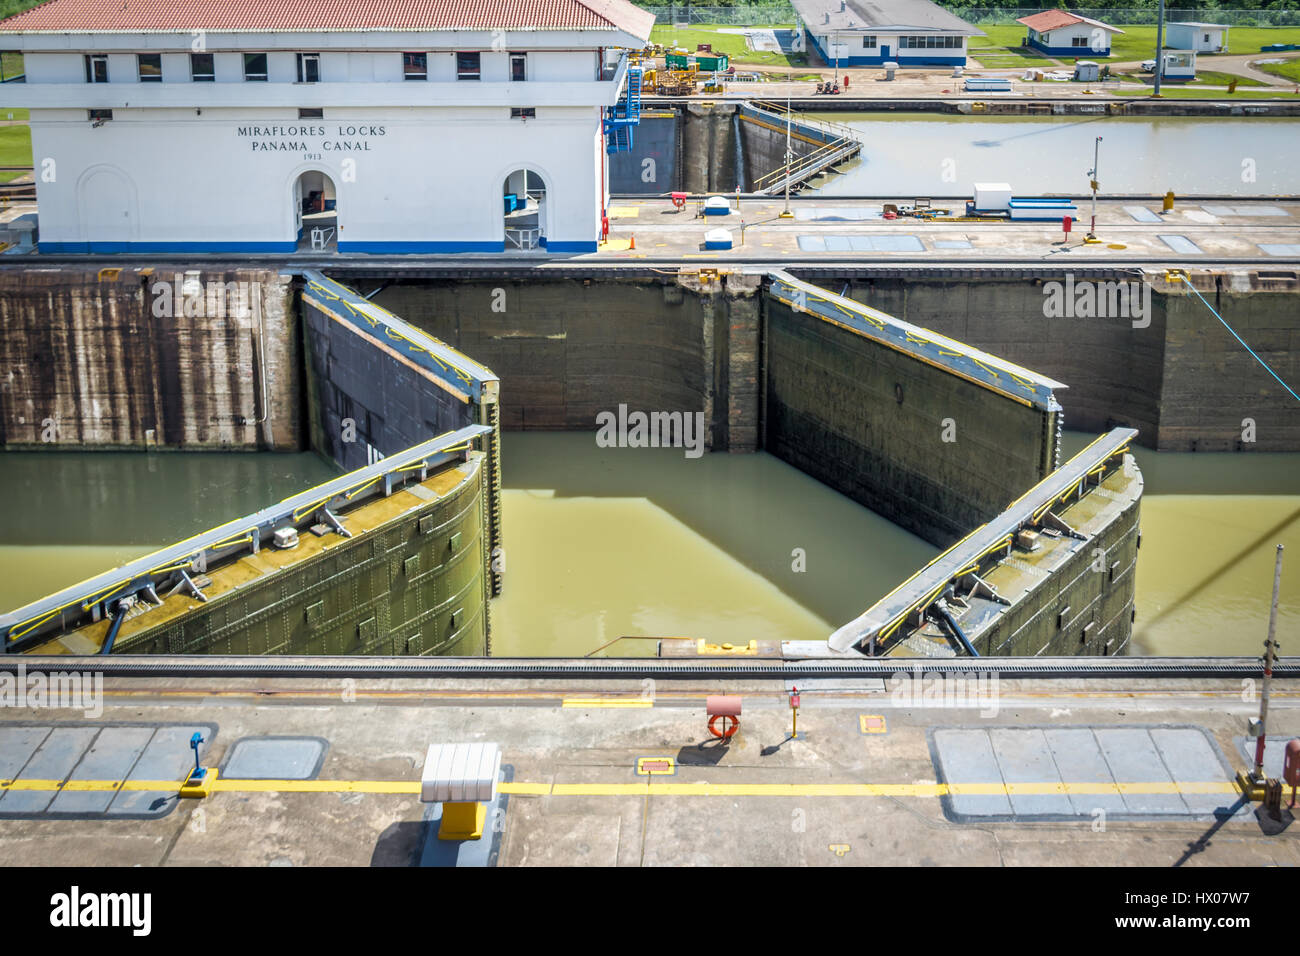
{"x":606,"y":702}
{"x":647,"y":787}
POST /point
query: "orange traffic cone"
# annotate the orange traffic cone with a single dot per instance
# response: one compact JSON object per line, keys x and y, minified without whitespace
{"x":632,"y":244}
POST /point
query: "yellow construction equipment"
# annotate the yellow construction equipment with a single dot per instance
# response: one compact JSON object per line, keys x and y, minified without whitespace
{"x":676,"y":82}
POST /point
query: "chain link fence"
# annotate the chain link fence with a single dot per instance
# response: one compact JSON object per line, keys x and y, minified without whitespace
{"x":1120,"y":17}
{"x":688,"y":14}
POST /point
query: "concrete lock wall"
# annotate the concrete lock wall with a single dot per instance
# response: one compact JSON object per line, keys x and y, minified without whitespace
{"x":652,"y":167}
{"x":415,"y":587}
{"x":699,"y":147}
{"x":363,"y":399}
{"x":933,"y":452}
{"x":159,"y":357}
{"x":567,"y":350}
{"x":1178,"y":376}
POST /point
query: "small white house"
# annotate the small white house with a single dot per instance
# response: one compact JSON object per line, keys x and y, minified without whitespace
{"x":1201,"y":37}
{"x":1061,"y":34}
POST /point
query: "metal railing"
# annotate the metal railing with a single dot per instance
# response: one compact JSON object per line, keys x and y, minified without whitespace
{"x":170,"y":567}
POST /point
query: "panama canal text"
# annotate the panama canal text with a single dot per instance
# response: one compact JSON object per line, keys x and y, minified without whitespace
{"x":324,"y":139}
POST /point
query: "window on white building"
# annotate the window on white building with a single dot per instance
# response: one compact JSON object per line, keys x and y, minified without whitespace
{"x":868,"y":43}
{"x":930,"y":43}
{"x":308,"y":67}
{"x":1078,"y":41}
{"x":518,"y":67}
{"x":201,"y":68}
{"x":99,"y":116}
{"x":467,"y":66}
{"x":307,"y":113}
{"x":415,"y":66}
{"x":96,"y":68}
{"x":255,"y":67}
{"x":149,"y":67}
{"x":523,"y":112}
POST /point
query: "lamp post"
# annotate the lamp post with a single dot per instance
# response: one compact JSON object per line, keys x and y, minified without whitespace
{"x":1270,"y":646}
{"x":1160,"y":46}
{"x":1092,"y":177}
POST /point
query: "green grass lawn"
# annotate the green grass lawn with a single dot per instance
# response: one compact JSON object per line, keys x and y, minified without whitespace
{"x":1002,"y":48}
{"x":732,"y":44}
{"x":15,"y":149}
{"x":1175,"y":91}
{"x":1215,"y":78}
{"x":1290,"y":69}
{"x":1139,"y":42}
{"x":1203,"y":78}
{"x":11,"y":63}
{"x":1135,"y":43}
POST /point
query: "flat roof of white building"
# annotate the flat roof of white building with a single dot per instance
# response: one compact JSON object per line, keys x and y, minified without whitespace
{"x":319,"y":16}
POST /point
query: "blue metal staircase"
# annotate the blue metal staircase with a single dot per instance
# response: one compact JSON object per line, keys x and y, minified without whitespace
{"x":625,"y":114}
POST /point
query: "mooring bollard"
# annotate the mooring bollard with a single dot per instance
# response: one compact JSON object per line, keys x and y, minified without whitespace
{"x":462,"y":777}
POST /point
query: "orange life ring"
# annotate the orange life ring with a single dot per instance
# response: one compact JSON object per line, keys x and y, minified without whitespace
{"x":727,"y":731}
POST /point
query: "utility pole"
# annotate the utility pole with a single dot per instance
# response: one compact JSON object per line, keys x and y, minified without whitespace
{"x":1092,"y":177}
{"x":1160,"y":47}
{"x":1270,"y":646}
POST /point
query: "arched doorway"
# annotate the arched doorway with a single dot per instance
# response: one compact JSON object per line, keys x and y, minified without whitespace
{"x":524,"y":202}
{"x":316,"y":218}
{"x":106,"y":198}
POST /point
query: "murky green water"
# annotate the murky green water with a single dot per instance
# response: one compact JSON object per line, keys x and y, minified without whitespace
{"x":71,"y":515}
{"x":1211,"y":524}
{"x":602,"y":543}
{"x":925,"y":154}
{"x":606,"y":543}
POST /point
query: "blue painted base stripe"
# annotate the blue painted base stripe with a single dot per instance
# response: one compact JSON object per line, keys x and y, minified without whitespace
{"x":1081,"y":52}
{"x":400,"y":248}
{"x":114,"y":247}
{"x":370,"y":248}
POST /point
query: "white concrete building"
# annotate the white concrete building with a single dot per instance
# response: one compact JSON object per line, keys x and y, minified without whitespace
{"x":387,"y":127}
{"x":1201,"y":37}
{"x":1059,"y":33}
{"x":911,"y":33}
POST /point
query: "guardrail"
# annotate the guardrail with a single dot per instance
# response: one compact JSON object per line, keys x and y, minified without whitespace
{"x":169,"y":567}
{"x":910,"y":599}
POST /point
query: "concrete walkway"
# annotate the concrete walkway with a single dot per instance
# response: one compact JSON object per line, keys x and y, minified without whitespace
{"x":827,"y":227}
{"x":623,"y":773}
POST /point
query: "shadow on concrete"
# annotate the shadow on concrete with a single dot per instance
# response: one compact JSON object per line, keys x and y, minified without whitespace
{"x":1270,"y":825}
{"x":400,"y":844}
{"x":1221,"y":816}
{"x":707,"y":753}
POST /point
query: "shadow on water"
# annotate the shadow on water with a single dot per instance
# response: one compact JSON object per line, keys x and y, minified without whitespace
{"x":1054,"y":128}
{"x":754,"y":507}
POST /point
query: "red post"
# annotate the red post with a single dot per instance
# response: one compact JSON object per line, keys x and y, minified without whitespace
{"x":1066,"y":224}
